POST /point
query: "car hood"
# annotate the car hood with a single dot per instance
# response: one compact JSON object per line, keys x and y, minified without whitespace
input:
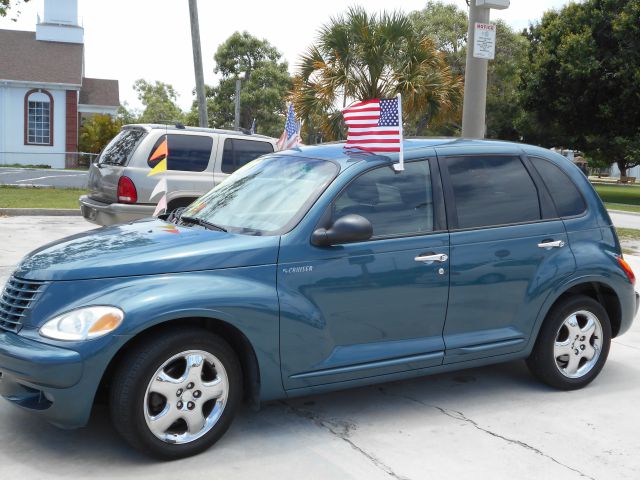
{"x":146,"y":247}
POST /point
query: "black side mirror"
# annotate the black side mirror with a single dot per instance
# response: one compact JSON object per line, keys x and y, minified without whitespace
{"x":347,"y":229}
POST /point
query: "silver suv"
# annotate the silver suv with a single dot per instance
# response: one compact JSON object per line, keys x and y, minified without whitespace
{"x":197,"y":160}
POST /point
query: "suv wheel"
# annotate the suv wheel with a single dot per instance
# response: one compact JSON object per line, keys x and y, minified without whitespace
{"x":176,"y":394}
{"x":573,"y":344}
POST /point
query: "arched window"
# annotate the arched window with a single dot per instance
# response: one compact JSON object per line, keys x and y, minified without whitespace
{"x":38,"y":117}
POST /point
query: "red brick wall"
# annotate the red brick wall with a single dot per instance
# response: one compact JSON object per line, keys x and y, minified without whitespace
{"x":71,"y":129}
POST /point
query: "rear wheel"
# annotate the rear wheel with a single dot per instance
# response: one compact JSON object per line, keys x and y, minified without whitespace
{"x":177,"y":393}
{"x":573,"y":344}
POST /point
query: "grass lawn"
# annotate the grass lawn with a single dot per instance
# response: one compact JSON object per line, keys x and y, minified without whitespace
{"x":628,"y":234}
{"x":19,"y":165}
{"x":16,"y":197}
{"x":623,"y":207}
{"x":622,"y":194}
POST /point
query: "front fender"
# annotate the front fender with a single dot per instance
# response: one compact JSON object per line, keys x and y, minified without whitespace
{"x":244,"y":297}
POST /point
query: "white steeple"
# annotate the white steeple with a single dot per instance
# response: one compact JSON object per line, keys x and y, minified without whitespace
{"x":60,"y":22}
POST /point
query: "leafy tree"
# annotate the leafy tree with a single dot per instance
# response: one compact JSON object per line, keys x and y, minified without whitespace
{"x":159,"y":102}
{"x":359,"y":56}
{"x":265,"y":83}
{"x":504,"y":108}
{"x":127,"y":115}
{"x":6,"y":5}
{"x":446,"y":25}
{"x":581,"y":85}
{"x":96,"y":132}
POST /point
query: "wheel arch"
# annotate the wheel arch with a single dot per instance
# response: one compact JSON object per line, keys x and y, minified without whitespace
{"x":182,"y":201}
{"x":230,"y":333}
{"x":600,"y":291}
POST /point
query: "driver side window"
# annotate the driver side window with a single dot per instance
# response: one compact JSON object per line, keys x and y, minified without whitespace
{"x":394,"y":203}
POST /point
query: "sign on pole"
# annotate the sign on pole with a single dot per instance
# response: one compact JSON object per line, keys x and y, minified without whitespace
{"x":484,"y":44}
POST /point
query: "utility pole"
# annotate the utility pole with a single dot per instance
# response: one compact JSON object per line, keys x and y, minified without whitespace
{"x":236,"y":120}
{"x":197,"y":64}
{"x":475,"y":80}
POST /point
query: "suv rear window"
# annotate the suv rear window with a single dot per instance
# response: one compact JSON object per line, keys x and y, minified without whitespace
{"x":187,"y":153}
{"x":492,"y":191}
{"x":565,"y":194}
{"x":118,"y":151}
{"x":238,"y":153}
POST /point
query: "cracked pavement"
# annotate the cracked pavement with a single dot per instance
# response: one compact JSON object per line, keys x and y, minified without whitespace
{"x":493,"y":422}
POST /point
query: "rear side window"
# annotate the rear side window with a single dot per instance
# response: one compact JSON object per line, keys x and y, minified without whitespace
{"x":187,"y":153}
{"x":118,"y":151}
{"x":565,"y":194}
{"x":394,"y":204}
{"x":492,"y":191}
{"x":237,"y":153}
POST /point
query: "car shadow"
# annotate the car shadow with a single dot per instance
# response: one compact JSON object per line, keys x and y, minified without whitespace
{"x":97,"y":450}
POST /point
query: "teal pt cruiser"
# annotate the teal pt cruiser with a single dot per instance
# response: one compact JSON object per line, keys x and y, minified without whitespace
{"x":313,"y":270}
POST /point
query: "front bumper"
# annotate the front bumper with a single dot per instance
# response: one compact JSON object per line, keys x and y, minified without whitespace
{"x":112,"y":213}
{"x":45,"y":380}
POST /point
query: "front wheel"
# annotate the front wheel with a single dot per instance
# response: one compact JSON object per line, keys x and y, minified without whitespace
{"x":177,"y":393}
{"x":573,"y":344}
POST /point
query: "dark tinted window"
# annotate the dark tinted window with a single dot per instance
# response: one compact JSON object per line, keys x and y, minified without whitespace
{"x":238,"y":152}
{"x":394,"y":203}
{"x":492,"y":191}
{"x":188,"y":153}
{"x":118,"y":151}
{"x":565,"y":194}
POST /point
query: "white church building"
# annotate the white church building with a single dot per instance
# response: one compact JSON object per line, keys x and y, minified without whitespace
{"x":44,"y":94}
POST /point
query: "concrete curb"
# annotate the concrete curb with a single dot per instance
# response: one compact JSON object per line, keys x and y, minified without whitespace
{"x":44,"y":212}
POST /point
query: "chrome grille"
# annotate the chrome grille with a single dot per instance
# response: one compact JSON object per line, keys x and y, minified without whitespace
{"x":16,"y":301}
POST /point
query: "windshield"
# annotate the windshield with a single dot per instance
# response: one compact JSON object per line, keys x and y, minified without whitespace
{"x":118,"y":151}
{"x":266,"y":197}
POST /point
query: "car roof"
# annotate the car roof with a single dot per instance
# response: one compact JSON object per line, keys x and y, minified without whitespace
{"x":412,"y":146}
{"x":177,"y":128}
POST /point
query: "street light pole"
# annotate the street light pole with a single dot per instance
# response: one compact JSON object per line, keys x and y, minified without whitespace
{"x":203,"y":119}
{"x":475,"y":80}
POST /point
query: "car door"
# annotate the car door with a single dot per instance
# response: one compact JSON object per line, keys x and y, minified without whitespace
{"x":508,"y":252}
{"x":375,"y":307}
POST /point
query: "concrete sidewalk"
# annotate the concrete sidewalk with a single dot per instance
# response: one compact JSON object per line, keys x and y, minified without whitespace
{"x":494,"y":423}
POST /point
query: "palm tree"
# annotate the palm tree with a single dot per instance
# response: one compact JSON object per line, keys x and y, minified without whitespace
{"x":360,"y":56}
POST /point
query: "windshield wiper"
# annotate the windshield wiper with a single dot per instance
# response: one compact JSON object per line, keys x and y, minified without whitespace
{"x":202,"y":223}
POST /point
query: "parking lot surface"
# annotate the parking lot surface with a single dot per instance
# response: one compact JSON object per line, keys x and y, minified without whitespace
{"x":43,"y":177}
{"x":494,"y":422}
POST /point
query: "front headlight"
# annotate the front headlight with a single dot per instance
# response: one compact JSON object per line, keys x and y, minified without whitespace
{"x":83,"y":324}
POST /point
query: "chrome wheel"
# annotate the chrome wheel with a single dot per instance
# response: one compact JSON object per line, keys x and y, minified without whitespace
{"x":578,"y":344}
{"x":186,"y":397}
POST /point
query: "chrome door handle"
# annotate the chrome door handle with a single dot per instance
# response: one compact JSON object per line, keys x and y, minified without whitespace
{"x":550,"y":245}
{"x":439,"y":257}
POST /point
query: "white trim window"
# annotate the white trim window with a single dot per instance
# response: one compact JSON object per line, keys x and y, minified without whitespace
{"x":39,"y":119}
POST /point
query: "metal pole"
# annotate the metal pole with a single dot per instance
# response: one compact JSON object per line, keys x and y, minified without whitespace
{"x":203,"y":119}
{"x":475,"y":81}
{"x":236,"y":120}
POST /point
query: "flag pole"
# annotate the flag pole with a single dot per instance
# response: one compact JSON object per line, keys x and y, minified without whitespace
{"x":399,"y":167}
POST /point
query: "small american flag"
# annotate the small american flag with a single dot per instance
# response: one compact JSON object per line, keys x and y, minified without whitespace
{"x":290,"y":138}
{"x":374,"y":125}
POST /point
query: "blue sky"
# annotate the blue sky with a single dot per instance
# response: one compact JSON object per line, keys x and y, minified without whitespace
{"x":150,"y":39}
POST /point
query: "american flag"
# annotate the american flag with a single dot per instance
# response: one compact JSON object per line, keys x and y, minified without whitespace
{"x":290,"y":138}
{"x":374,"y":125}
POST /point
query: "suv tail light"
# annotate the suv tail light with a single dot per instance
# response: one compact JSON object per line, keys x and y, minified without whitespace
{"x":127,"y":191}
{"x":627,"y":269}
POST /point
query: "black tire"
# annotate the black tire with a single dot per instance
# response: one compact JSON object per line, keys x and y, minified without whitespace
{"x":179,"y":203}
{"x":542,"y":361}
{"x":135,"y":372}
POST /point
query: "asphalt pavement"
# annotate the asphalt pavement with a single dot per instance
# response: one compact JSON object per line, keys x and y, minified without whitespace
{"x":494,"y":422}
{"x":43,"y":177}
